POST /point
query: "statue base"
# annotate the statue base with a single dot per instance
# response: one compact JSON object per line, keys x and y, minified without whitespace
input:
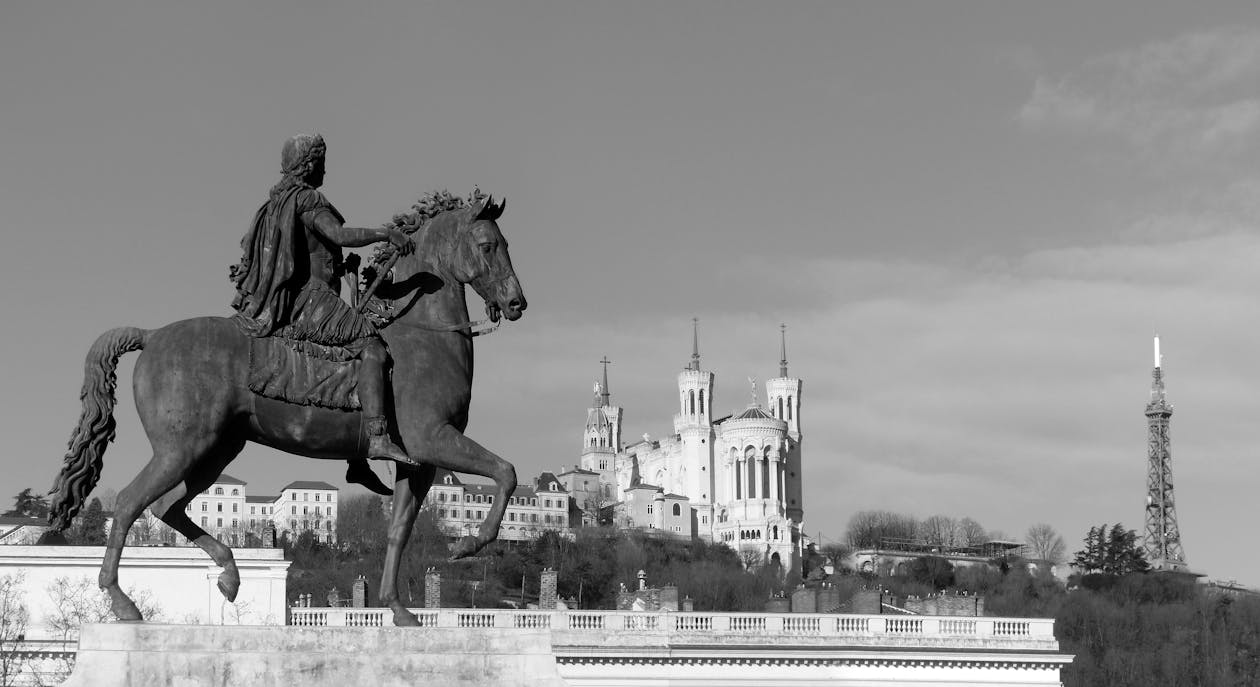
{"x":157,"y":655}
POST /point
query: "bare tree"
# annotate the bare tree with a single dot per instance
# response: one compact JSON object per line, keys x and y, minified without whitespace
{"x":867,"y":528}
{"x":1045,"y":544}
{"x":971,"y":533}
{"x":937,"y":530}
{"x":14,"y":618}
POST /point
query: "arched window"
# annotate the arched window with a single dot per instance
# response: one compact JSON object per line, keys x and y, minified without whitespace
{"x":677,"y":509}
{"x":691,"y":395}
{"x":218,"y":491}
{"x":236,"y":492}
{"x":789,"y":407}
{"x":702,"y":401}
{"x":780,"y":415}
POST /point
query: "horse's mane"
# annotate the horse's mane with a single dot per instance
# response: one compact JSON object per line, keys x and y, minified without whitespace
{"x":424,"y":210}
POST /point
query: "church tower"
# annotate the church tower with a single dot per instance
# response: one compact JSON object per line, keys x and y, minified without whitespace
{"x":783,"y":395}
{"x":1162,"y":540}
{"x":693,"y":475}
{"x":601,"y":440}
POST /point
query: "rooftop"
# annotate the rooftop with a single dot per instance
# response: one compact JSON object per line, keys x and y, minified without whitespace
{"x":303,"y":484}
{"x":228,"y":479}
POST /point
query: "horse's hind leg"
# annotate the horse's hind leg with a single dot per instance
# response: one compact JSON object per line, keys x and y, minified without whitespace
{"x":161,"y":475}
{"x":170,"y":509}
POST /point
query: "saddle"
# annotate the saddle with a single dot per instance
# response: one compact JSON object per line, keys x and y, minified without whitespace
{"x":304,"y":373}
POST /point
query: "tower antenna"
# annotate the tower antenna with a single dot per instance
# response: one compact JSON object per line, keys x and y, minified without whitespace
{"x":605,"y":393}
{"x":695,"y":344}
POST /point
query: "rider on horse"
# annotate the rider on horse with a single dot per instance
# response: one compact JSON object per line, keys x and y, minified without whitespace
{"x":288,"y":281}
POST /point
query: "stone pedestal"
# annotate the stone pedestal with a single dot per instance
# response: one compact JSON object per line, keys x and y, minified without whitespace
{"x":358,"y":593}
{"x":152,"y":655}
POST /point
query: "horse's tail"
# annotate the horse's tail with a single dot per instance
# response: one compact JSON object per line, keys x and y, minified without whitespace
{"x":85,"y":455}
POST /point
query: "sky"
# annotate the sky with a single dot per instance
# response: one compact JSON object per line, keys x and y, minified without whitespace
{"x":971,"y":216}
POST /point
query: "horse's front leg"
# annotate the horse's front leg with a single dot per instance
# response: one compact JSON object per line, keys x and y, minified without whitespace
{"x":409,"y":491}
{"x":454,"y":451}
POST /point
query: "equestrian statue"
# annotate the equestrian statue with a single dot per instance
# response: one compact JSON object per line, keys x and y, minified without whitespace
{"x":302,"y":370}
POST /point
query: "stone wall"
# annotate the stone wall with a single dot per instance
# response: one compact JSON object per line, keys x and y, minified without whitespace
{"x":181,"y":582}
{"x":547,"y":590}
{"x":432,"y":589}
{"x":946,"y":604}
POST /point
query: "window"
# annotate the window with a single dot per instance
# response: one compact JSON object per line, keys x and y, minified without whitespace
{"x":533,"y":517}
{"x":188,"y":507}
{"x":704,"y":519}
{"x":306,"y":497}
{"x":218,"y":522}
{"x":479,"y":515}
{"x":327,"y":510}
{"x":478,"y":498}
{"x":446,"y":479}
{"x":512,"y":516}
{"x":292,"y":510}
{"x":328,"y":525}
{"x":468,"y":514}
{"x":789,"y":407}
{"x":235,"y":507}
{"x":303,"y":510}
{"x":293,"y":525}
{"x":547,"y":518}
{"x":649,"y":509}
{"x":218,"y":507}
{"x":218,"y":491}
{"x":547,"y":503}
{"x":317,"y":497}
{"x":467,"y":498}
{"x":489,"y":499}
{"x":702,"y":401}
{"x":236,"y":492}
{"x":677,"y":509}
{"x":253,"y":510}
{"x":533,"y":502}
{"x":235,"y":523}
{"x":442,"y":496}
{"x":204,"y":507}
{"x":293,"y":496}
{"x":203,"y":521}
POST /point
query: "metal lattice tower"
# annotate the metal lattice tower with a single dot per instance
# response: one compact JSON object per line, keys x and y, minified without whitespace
{"x":1163,"y":538}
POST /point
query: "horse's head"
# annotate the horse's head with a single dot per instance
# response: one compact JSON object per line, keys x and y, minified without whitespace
{"x":481,"y":259}
{"x":458,"y":242}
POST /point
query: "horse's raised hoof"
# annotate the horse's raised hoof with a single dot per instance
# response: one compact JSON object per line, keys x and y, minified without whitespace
{"x":405,"y":618}
{"x":229,"y":585}
{"x":465,"y":547}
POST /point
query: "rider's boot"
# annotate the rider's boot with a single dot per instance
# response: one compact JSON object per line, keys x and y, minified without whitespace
{"x":359,"y":472}
{"x":372,"y":396}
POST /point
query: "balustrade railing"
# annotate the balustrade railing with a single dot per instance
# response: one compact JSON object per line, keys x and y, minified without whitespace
{"x":696,"y":626}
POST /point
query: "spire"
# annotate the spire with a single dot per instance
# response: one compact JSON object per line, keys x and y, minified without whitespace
{"x":752,"y":388}
{"x":695,"y":344}
{"x":604,"y":392}
{"x":783,"y":350}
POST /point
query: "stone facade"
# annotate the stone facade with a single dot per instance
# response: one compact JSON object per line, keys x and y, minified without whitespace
{"x":532,"y":509}
{"x":738,"y":478}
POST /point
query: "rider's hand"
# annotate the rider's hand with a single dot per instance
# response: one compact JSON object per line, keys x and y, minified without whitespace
{"x":401,"y":241}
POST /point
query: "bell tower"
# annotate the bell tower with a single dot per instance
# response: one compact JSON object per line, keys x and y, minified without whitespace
{"x":692,"y":476}
{"x":783,"y":394}
{"x":601,"y":439}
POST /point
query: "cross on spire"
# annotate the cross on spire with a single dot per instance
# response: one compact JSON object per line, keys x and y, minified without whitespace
{"x":604,"y":393}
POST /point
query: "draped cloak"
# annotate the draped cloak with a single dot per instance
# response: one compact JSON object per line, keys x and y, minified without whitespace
{"x":275,"y":265}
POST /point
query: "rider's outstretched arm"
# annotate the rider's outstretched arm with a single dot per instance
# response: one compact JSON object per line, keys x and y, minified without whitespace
{"x":332,"y":229}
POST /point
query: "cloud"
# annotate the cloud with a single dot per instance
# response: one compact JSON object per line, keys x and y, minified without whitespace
{"x":1191,"y":95}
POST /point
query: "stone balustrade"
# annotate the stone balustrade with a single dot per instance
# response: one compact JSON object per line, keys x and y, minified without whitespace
{"x":591,"y":628}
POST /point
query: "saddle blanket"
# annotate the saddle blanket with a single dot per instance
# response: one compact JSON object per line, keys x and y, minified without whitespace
{"x":304,"y":373}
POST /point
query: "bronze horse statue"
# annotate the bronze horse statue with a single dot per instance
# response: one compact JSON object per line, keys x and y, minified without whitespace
{"x":193,"y":400}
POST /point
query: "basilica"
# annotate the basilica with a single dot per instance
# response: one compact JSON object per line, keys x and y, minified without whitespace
{"x":733,"y":479}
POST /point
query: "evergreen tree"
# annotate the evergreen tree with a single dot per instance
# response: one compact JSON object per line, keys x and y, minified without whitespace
{"x":90,"y":529}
